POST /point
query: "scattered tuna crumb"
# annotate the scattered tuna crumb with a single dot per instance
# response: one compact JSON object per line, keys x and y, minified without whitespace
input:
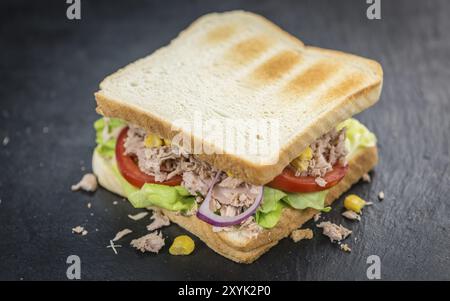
{"x":381,"y":195}
{"x":333,"y":231}
{"x":121,"y":234}
{"x":113,"y":246}
{"x":366,"y":178}
{"x":78,"y":230}
{"x":345,"y":248}
{"x":320,"y":181}
{"x":84,"y":232}
{"x":115,"y":202}
{"x":87,"y":183}
{"x":317,"y":216}
{"x":5,"y":141}
{"x":152,"y":242}
{"x":301,"y":234}
{"x":138,"y":216}
{"x":159,"y":220}
{"x":89,"y":205}
{"x":351,"y":215}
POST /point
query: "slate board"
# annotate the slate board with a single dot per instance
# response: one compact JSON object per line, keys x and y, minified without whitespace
{"x":51,"y":66}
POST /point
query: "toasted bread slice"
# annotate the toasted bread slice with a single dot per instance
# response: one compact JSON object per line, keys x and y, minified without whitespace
{"x":234,"y":245}
{"x":240,"y":65}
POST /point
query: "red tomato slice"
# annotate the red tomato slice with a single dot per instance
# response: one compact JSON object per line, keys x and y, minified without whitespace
{"x":130,"y":170}
{"x":287,"y":181}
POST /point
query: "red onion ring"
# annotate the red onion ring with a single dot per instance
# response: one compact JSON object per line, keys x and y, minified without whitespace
{"x":205,"y":214}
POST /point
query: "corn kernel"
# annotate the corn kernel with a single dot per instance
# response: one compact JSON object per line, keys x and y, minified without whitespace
{"x":167,"y":142}
{"x":182,"y":245}
{"x":306,"y":154}
{"x":302,"y":161}
{"x":229,"y":174}
{"x":354,"y":203}
{"x":153,"y":141}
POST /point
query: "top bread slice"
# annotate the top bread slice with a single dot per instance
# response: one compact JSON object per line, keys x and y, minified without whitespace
{"x":239,"y":65}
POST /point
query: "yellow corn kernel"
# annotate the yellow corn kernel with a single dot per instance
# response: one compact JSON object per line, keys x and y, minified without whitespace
{"x":300,"y":165}
{"x":153,"y":141}
{"x":306,"y":154}
{"x":229,"y":174}
{"x":167,"y":142}
{"x":182,"y":245}
{"x":354,"y":203}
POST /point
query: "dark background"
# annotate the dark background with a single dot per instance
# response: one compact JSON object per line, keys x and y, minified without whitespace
{"x":51,"y":66}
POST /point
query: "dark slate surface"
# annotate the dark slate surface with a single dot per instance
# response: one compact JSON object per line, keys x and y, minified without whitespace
{"x":50,"y":68}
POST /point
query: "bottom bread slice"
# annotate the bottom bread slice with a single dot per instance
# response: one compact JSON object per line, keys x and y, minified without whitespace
{"x":234,"y":245}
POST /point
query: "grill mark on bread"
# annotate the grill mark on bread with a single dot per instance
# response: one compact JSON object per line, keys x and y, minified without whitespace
{"x":350,"y":84}
{"x":277,"y":66}
{"x":220,"y":34}
{"x":307,"y":81}
{"x":248,"y":49}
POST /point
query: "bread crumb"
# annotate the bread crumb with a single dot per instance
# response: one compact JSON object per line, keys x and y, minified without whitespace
{"x":366,"y":178}
{"x":84,"y":232}
{"x":121,"y":234}
{"x":5,"y":141}
{"x":381,"y":195}
{"x":115,"y":202}
{"x":351,"y":215}
{"x":89,"y":205}
{"x":345,"y":248}
{"x":333,"y":231}
{"x":301,"y":234}
{"x":138,"y":216}
{"x":88,"y":183}
{"x":152,"y":242}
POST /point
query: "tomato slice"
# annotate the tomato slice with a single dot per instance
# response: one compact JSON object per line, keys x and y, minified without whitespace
{"x":287,"y":181}
{"x":130,"y":170}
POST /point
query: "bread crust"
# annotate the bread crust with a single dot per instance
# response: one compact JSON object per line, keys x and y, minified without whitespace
{"x":243,"y":249}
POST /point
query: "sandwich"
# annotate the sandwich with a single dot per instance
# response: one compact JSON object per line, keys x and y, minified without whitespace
{"x":289,"y":108}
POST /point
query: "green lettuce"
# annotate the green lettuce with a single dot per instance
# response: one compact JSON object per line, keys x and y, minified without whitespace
{"x":313,"y":200}
{"x":270,"y":219}
{"x":269,"y":213}
{"x":106,"y":148}
{"x":356,"y":135}
{"x":174,"y":198}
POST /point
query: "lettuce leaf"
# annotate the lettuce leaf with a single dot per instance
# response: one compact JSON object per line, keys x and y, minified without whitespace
{"x":174,"y":198}
{"x":271,"y":198}
{"x":270,"y":218}
{"x":357,"y":135}
{"x":106,"y":148}
{"x":269,"y":213}
{"x":313,"y":200}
